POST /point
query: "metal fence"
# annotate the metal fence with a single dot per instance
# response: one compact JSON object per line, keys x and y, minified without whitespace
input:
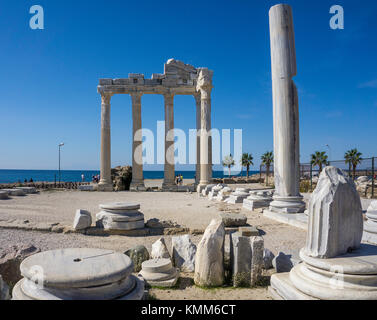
{"x":367,"y":168}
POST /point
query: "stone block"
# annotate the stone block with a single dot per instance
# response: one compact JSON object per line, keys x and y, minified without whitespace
{"x":183,"y":253}
{"x":159,"y":272}
{"x":159,"y":250}
{"x":209,"y":264}
{"x":233,"y":219}
{"x":105,"y":82}
{"x":334,"y":206}
{"x":138,"y":255}
{"x":250,"y":231}
{"x":78,"y":274}
{"x":83,"y":220}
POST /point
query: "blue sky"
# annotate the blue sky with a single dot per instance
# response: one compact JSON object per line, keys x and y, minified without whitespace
{"x":49,"y":77}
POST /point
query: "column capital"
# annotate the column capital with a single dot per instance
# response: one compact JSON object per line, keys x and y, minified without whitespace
{"x":106,"y":97}
{"x":168,"y":95}
{"x":136,"y":94}
{"x":204,"y":83}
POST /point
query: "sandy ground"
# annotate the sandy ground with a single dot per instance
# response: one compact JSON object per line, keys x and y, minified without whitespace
{"x":187,"y":209}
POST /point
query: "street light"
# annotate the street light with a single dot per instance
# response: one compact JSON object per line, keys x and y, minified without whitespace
{"x":60,"y":145}
{"x":329,"y":152}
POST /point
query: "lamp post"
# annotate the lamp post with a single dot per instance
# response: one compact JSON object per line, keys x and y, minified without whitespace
{"x":60,"y":145}
{"x":329,"y":152}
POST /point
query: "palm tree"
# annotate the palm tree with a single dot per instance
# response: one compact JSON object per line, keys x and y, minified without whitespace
{"x":319,"y":158}
{"x":353,"y":158}
{"x":267,"y":160}
{"x":228,"y":162}
{"x":247,"y":161}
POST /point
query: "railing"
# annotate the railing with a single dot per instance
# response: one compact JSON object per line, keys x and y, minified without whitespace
{"x":367,"y":167}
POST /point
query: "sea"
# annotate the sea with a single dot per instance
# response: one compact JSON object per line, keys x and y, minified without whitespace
{"x":12,"y":176}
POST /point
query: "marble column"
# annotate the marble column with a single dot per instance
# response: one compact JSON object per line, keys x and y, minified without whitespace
{"x":198,"y":124}
{"x":137,"y":150}
{"x":287,"y":198}
{"x":105,"y":183}
{"x":209,"y":111}
{"x":169,"y":168}
{"x":204,"y":86}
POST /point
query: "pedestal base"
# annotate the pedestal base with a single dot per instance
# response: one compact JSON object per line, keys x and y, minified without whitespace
{"x":137,"y":186}
{"x":287,"y":204}
{"x":370,"y":232}
{"x":351,"y":276}
{"x":105,"y":187}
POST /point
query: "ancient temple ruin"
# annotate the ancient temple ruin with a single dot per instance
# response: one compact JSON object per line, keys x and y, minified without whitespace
{"x":178,"y":79}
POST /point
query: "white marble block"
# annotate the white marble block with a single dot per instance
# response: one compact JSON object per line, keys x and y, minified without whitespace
{"x":335,"y":220}
{"x":209,"y":261}
{"x":83,"y":220}
{"x":159,"y":250}
{"x":214,"y":192}
{"x":183,"y":253}
{"x":370,"y":225}
{"x":78,"y":274}
{"x":238,"y":196}
{"x":258,"y":199}
{"x":120,"y":216}
{"x":159,"y":272}
{"x":223,"y":194}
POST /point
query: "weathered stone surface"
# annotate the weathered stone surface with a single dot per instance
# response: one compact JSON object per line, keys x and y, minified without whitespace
{"x":14,"y":192}
{"x":370,"y":225}
{"x":78,"y":274}
{"x":258,"y":199}
{"x":268,"y":256}
{"x":83,"y":219}
{"x":138,"y":255}
{"x":215,"y":191}
{"x":238,"y":196}
{"x":159,"y":250}
{"x":120,"y":216}
{"x":28,"y":190}
{"x":3,"y":195}
{"x":233,"y":219}
{"x":4,"y":290}
{"x":86,"y":187}
{"x":335,"y":216}
{"x":250,"y":231}
{"x":207,"y":189}
{"x":121,"y":206}
{"x":223,"y":194}
{"x":159,"y":272}
{"x":11,"y":259}
{"x":240,"y":259}
{"x":257,"y":249}
{"x":183,"y":252}
{"x":209,"y":264}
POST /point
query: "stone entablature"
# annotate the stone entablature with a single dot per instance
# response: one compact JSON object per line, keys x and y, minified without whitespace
{"x":178,"y":78}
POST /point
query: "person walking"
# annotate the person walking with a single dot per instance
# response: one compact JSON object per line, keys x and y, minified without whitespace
{"x":82,"y":177}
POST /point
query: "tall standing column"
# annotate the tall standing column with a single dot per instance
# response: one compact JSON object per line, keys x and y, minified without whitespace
{"x":105,"y":183}
{"x":209,"y":111}
{"x":137,"y":148}
{"x":287,"y":198}
{"x":204,"y":85}
{"x":198,"y":124}
{"x":169,"y":168}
